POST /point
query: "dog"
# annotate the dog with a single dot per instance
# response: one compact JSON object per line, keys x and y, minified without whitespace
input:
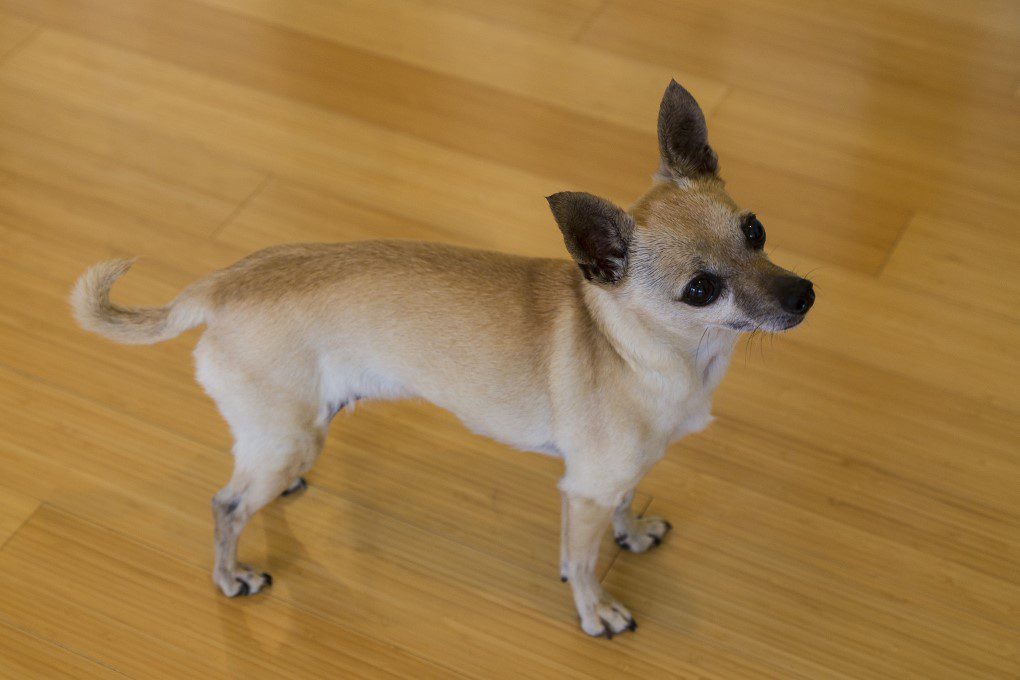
{"x":603,"y":361}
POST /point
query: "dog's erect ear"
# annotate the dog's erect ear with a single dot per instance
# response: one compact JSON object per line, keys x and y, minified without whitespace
{"x":683,"y":135}
{"x":596,"y":232}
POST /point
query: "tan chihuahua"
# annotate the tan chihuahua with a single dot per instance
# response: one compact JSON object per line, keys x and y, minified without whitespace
{"x":603,"y":361}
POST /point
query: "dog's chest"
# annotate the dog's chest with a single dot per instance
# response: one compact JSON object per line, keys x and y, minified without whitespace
{"x":694,"y":416}
{"x":689,"y":408}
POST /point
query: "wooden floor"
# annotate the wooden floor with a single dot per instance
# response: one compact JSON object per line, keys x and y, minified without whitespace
{"x":853,"y":512}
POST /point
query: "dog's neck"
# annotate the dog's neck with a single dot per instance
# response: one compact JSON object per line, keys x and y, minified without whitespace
{"x":700,"y":354}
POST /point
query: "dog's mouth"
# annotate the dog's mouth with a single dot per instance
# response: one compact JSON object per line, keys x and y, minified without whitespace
{"x":791,"y":322}
{"x":741,"y":326}
{"x":772,"y":324}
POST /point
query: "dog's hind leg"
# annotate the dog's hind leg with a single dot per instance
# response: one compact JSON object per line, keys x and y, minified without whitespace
{"x":274,"y":414}
{"x":327,"y":413}
{"x":266,"y":463}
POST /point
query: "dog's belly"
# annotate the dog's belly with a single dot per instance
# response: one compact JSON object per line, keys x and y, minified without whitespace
{"x":517,"y":419}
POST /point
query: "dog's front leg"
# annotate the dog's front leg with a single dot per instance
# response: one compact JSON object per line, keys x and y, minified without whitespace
{"x":585,"y":521}
{"x":564,"y":561}
{"x":634,"y":533}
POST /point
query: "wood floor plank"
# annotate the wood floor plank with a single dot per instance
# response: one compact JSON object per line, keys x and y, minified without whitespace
{"x":25,"y":656}
{"x":173,"y":158}
{"x":819,"y":54}
{"x":900,"y":568}
{"x":841,"y":226}
{"x":852,"y":633}
{"x":883,"y":137}
{"x":192,"y":414}
{"x":26,"y":158}
{"x":993,"y":16}
{"x":560,"y":19}
{"x":917,"y":339}
{"x":36,"y":237}
{"x":915,"y":433}
{"x":74,"y":459}
{"x":870,"y":160}
{"x":869,"y":501}
{"x":966,"y":265}
{"x":14,"y":31}
{"x":50,"y":570}
{"x":373,"y":165}
{"x":15,"y":508}
{"x":286,"y":210}
{"x":475,"y":119}
{"x":586,"y":80}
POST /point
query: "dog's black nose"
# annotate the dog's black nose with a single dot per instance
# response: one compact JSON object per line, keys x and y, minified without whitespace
{"x":796,"y":296}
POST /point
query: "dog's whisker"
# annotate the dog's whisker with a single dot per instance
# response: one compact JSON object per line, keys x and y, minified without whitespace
{"x":697,"y":352}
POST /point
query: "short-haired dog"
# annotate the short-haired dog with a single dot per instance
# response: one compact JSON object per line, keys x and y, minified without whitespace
{"x":602,"y":361}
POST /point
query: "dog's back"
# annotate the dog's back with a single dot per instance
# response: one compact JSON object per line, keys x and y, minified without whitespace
{"x":326,"y":324}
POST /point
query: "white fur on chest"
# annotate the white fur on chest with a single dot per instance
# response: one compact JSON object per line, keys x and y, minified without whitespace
{"x":686,"y":408}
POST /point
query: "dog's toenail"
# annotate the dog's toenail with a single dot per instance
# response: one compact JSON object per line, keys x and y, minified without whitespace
{"x":668,"y":525}
{"x":267,"y":579}
{"x":656,"y":540}
{"x":563,"y":579}
{"x":299,"y":485}
{"x":632,"y":625}
{"x":244,"y":590}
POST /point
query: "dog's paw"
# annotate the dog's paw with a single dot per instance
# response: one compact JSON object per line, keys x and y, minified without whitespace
{"x":649,"y":533}
{"x":298,"y":486}
{"x":242,"y":581}
{"x":606,"y":619}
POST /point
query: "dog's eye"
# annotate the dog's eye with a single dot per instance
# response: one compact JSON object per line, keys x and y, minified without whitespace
{"x":701,"y":290}
{"x":755,"y":232}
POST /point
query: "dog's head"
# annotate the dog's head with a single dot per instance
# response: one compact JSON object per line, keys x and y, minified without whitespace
{"x":685,"y":254}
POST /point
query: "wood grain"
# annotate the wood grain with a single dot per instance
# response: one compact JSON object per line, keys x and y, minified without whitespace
{"x":15,"y":508}
{"x":14,"y":32}
{"x":853,"y":512}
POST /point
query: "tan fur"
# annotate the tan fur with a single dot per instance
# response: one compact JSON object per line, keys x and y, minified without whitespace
{"x":524,"y":350}
{"x":90,"y":303}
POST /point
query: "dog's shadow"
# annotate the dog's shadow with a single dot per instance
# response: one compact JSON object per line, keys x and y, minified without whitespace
{"x":283,"y":549}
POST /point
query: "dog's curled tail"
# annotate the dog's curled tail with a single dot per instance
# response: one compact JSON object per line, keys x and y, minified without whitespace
{"x":91,"y":306}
